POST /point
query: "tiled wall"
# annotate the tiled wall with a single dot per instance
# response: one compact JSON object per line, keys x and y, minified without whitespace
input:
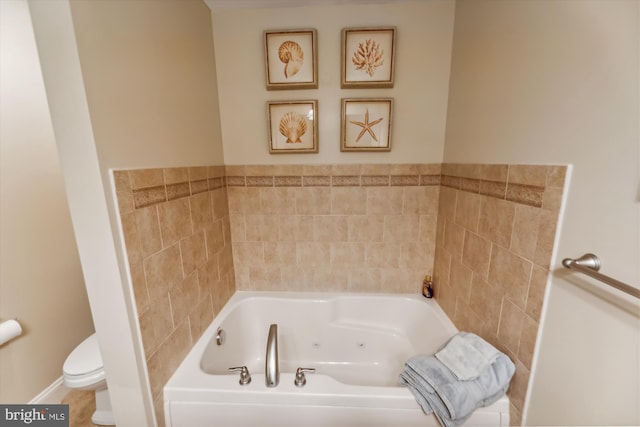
{"x":356,"y":228}
{"x":485,"y":231}
{"x":177,"y":236}
{"x":496,"y":229}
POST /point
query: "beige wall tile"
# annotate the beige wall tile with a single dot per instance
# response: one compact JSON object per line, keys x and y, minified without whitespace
{"x":313,"y":201}
{"x":236,"y":223}
{"x":366,"y":228}
{"x":375,"y":169}
{"x":496,"y":220}
{"x":510,"y":273}
{"x":332,"y":228}
{"x":313,"y":254}
{"x":261,"y":228}
{"x":420,"y":200}
{"x":556,"y":176}
{"x":476,"y":253}
{"x":278,"y":200}
{"x":447,"y":203}
{"x":295,"y":228}
{"x":348,"y":201}
{"x":193,"y":251}
{"x":511,"y":320}
{"x":468,"y":210}
{"x":364,"y":279}
{"x":214,"y":238}
{"x":168,"y":356}
{"x":183,"y":297}
{"x":546,"y":238}
{"x":347,"y":253}
{"x":535,"y":294}
{"x":417,"y":255}
{"x":200,"y":317}
{"x":131,"y":239}
{"x":428,"y":228}
{"x":525,"y":231}
{"x":175,"y":221}
{"x":332,"y":279}
{"x":383,"y":255}
{"x":219,"y":203}
{"x":527,"y":343}
{"x":175,"y":175}
{"x":139,"y":284}
{"x":201,"y":213}
{"x":265,"y":278}
{"x":528,"y":174}
{"x":145,"y":178}
{"x":498,"y":173}
{"x":296,"y":278}
{"x":486,"y":301}
{"x":453,"y":239}
{"x":148,"y":230}
{"x":163,"y":270}
{"x":384,"y":201}
{"x":316,"y":170}
{"x":243,"y":200}
{"x":279,"y":253}
{"x":401,"y":228}
{"x":460,"y":278}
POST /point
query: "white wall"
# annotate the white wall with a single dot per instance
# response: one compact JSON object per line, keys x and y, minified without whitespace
{"x":420,"y":92}
{"x":41,"y":280}
{"x":130,"y":84}
{"x":558,"y":82}
{"x":110,"y":301}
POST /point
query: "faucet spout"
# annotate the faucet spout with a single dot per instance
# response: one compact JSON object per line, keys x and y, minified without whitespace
{"x":272,"y":364}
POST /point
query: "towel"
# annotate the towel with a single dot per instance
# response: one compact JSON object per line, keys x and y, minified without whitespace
{"x":437,"y":389}
{"x":467,"y":355}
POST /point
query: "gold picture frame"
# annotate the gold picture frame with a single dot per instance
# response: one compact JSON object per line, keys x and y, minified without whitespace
{"x":291,"y":59}
{"x":368,"y":57}
{"x":293,"y":126}
{"x":366,"y":124}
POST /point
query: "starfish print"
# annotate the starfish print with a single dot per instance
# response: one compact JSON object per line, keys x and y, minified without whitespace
{"x":366,"y":126}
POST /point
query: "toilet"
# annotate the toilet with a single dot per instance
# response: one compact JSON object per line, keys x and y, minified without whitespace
{"x":83,"y":370}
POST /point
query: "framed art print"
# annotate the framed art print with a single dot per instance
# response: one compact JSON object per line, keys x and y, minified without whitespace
{"x":368,"y":56}
{"x":291,"y":59}
{"x":366,"y":124}
{"x":293,"y":126}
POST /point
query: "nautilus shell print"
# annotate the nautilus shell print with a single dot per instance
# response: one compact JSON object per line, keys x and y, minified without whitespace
{"x":293,"y":126}
{"x":291,"y":54}
{"x":368,"y":57}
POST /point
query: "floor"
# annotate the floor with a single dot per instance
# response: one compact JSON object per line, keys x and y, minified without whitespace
{"x":81,"y":407}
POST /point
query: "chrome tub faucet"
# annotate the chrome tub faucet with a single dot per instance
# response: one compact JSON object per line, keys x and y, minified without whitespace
{"x":272,"y":364}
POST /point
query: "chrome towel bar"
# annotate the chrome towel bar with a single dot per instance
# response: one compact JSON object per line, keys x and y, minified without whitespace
{"x":589,"y":264}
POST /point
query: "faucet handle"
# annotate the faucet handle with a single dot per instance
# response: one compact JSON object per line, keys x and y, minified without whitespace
{"x":300,"y":379}
{"x":245,"y":376}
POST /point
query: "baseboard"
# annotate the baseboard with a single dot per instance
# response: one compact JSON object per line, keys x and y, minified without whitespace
{"x":52,"y":394}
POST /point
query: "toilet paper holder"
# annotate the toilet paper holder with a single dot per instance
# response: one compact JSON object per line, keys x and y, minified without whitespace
{"x":9,"y":329}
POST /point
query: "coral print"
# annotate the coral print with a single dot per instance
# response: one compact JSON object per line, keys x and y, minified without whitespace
{"x":368,"y":57}
{"x":293,"y":126}
{"x":291,"y":54}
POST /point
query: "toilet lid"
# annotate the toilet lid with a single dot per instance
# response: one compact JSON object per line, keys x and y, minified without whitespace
{"x":84,"y":359}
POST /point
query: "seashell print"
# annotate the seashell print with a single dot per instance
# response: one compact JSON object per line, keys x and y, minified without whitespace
{"x":292,"y":55}
{"x":368,"y":57}
{"x":293,"y":126}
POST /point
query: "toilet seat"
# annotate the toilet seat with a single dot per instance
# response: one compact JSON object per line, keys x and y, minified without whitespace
{"x":84,"y":366}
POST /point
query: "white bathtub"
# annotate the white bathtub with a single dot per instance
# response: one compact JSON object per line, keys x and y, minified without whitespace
{"x":357,"y":343}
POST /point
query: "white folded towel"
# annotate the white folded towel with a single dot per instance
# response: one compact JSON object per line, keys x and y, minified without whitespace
{"x":467,"y":355}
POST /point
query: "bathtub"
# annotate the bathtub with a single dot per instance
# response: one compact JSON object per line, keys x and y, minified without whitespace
{"x":357,"y":343}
